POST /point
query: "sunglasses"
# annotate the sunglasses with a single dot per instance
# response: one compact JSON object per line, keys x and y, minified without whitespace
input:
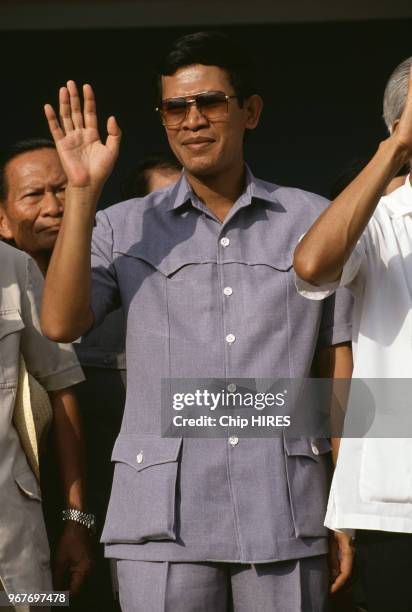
{"x":213,"y":105}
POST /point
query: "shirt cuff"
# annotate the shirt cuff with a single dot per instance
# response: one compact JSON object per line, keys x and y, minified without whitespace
{"x":313,"y":292}
{"x":335,"y":335}
{"x":62,"y":379}
{"x":346,"y":531}
{"x":349,"y":271}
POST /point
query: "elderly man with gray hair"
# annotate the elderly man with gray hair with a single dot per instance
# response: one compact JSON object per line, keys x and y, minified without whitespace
{"x":364,"y":241}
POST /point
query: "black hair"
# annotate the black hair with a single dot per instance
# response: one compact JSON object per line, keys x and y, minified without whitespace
{"x":15,"y":149}
{"x":212,"y":49}
{"x":136,"y":185}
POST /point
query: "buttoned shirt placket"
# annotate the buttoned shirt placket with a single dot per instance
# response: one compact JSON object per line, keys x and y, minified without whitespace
{"x":209,"y":300}
{"x":229,"y":336}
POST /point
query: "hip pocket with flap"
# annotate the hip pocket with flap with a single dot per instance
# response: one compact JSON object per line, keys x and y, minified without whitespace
{"x":308,"y":470}
{"x":143,"y":497}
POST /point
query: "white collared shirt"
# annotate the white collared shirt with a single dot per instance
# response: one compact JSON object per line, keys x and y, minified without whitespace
{"x":372,"y":484}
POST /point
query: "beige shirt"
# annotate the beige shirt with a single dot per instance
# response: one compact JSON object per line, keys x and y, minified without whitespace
{"x":24,"y":551}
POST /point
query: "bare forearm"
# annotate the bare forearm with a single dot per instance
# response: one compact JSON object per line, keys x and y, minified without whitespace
{"x":335,"y":443}
{"x":336,"y":362}
{"x":322,"y":253}
{"x":69,"y":444}
{"x":66,"y":312}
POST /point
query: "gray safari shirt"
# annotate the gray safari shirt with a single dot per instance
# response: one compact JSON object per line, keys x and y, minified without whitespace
{"x":24,"y":549}
{"x":205,"y":299}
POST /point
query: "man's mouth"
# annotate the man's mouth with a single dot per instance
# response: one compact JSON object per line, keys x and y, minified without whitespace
{"x":195,"y":144}
{"x":50,"y":228}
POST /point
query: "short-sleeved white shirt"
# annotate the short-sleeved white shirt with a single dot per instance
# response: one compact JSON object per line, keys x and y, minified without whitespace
{"x":372,"y":484}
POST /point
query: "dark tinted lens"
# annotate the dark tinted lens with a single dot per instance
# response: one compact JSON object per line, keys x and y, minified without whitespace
{"x":174,"y":111}
{"x":212,"y":104}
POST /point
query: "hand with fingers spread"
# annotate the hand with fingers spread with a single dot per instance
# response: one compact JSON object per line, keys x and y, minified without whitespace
{"x":86,"y":160}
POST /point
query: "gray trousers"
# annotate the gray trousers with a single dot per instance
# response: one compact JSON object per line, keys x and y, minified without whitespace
{"x":287,"y":586}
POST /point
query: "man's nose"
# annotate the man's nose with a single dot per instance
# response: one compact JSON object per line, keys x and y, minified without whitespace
{"x":194,"y":118}
{"x":52,"y":205}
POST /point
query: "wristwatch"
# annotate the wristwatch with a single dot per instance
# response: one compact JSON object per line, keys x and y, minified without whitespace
{"x":84,"y":518}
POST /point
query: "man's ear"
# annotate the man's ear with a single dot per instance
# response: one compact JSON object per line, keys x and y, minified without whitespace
{"x":253,"y":107}
{"x":5,"y":230}
{"x":394,"y":126}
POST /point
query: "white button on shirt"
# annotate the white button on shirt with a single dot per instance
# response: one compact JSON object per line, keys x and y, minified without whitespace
{"x":224,"y":242}
{"x":231,"y":387}
{"x":233,"y":440}
{"x":228,"y":291}
{"x":230,"y":338}
{"x":372,"y":484}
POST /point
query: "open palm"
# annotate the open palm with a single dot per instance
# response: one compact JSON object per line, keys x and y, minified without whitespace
{"x":86,"y":160}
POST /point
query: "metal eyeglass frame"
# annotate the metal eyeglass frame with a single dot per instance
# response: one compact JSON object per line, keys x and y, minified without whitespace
{"x":190,"y":100}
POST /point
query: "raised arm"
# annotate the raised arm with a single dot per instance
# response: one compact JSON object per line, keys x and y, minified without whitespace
{"x":66,"y":312}
{"x":322,"y":253}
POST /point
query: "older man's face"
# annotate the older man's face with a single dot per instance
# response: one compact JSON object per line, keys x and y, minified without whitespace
{"x":32,"y":212}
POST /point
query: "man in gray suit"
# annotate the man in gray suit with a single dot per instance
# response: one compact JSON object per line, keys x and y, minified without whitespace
{"x":203,"y":271}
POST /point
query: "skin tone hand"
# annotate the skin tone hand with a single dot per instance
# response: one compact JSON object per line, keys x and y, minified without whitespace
{"x":341,"y":557}
{"x":87,"y":161}
{"x":402,"y":129}
{"x":72,"y":556}
{"x":342,"y":224}
{"x":72,"y":560}
{"x":336,"y":362}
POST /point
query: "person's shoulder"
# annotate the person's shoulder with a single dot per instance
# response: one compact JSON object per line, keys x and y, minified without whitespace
{"x":136,"y":208}
{"x":14,"y":272}
{"x":127,"y":222}
{"x":12,"y":259}
{"x":301,"y":200}
{"x":297,"y":202}
{"x":394,"y":204}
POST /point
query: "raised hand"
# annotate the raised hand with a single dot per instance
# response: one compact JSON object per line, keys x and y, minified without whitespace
{"x":86,"y":160}
{"x":403,"y":128}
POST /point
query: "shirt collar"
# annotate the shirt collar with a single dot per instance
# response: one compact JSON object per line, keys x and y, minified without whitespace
{"x":399,"y":202}
{"x":182,"y":192}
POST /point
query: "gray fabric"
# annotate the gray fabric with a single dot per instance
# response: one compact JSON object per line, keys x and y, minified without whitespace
{"x":288,"y":586}
{"x":24,"y":549}
{"x":104,"y":347}
{"x":291,"y":586}
{"x":202,"y":499}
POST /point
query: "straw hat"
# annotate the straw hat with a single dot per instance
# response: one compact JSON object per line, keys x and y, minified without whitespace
{"x":32,"y":416}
